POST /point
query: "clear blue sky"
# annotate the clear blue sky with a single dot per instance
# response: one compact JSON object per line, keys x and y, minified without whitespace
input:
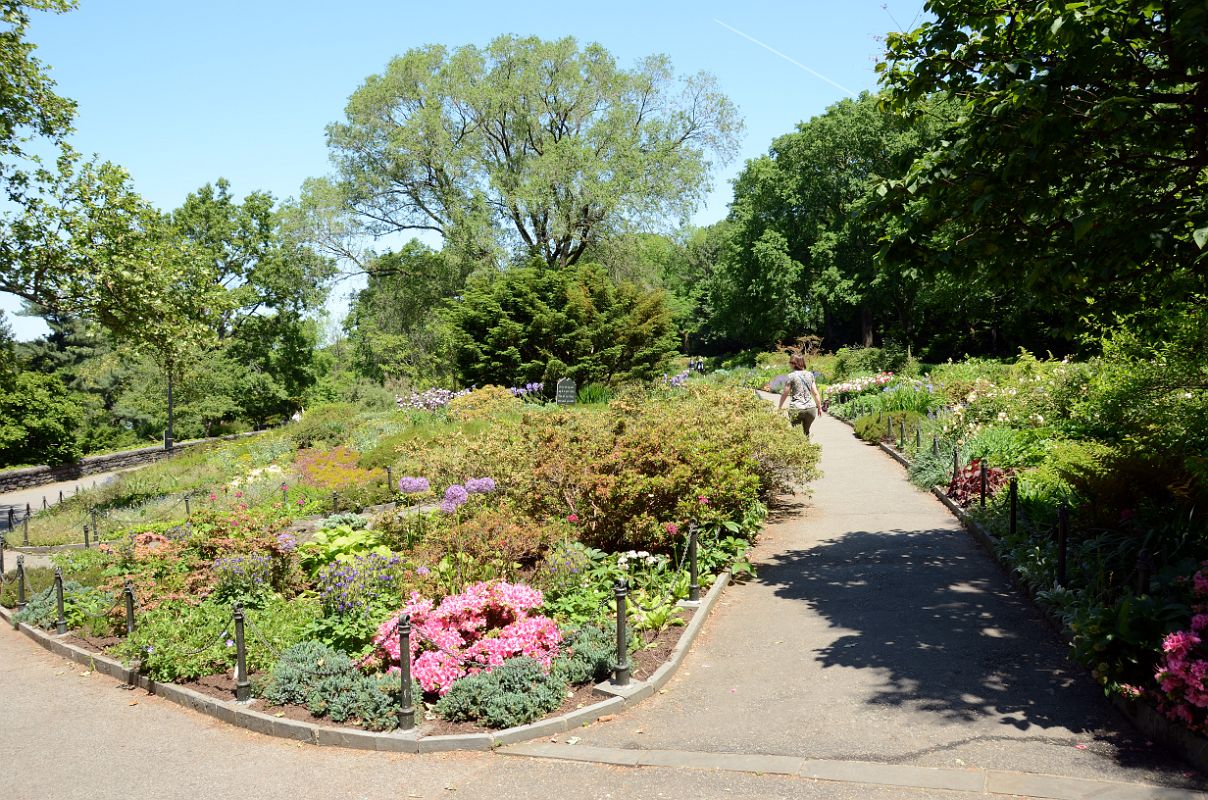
{"x":182,"y":93}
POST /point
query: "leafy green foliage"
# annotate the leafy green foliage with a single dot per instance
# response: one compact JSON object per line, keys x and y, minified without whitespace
{"x":534,"y":324}
{"x":1114,"y":218}
{"x":177,"y":640}
{"x":339,"y":543}
{"x":38,"y":424}
{"x":887,"y":426}
{"x":563,"y":146}
{"x":327,"y":683}
{"x":515,"y":693}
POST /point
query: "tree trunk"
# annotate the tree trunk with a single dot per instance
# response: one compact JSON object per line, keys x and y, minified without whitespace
{"x":866,"y":336}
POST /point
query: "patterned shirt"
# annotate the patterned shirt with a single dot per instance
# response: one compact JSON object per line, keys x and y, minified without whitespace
{"x":800,"y":395}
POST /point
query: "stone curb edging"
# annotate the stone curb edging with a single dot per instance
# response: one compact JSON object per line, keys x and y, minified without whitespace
{"x":1189,"y":746}
{"x":971,"y":781}
{"x":237,"y":714}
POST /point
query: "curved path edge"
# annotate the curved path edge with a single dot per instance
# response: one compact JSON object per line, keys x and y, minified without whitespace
{"x":977,"y":782}
{"x":237,"y":714}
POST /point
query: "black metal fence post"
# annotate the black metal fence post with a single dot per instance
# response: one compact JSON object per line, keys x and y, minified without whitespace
{"x":1063,"y":540}
{"x":188,"y":510}
{"x":1143,"y":572}
{"x":390,"y":481}
{"x":12,"y":518}
{"x":621,"y":671}
{"x":96,"y":529}
{"x":983,"y":484}
{"x":243,"y":687}
{"x":3,"y":544}
{"x":60,"y":495}
{"x":60,"y":619}
{"x":956,"y":464}
{"x":128,"y":594}
{"x":20,"y":583}
{"x":693,"y":573}
{"x":45,"y":505}
{"x":406,"y":711}
{"x":902,"y":434}
{"x":935,"y":446}
{"x":335,"y":502}
{"x":86,"y":545}
{"x":1014,"y":494}
{"x":25,"y":530}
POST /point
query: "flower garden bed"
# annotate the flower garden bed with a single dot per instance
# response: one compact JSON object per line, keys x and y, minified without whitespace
{"x":502,"y":539}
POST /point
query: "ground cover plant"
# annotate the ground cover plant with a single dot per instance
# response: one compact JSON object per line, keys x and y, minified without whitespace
{"x":1119,"y":441}
{"x":508,"y":522}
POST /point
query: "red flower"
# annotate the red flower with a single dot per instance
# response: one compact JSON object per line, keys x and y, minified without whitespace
{"x":572,"y":518}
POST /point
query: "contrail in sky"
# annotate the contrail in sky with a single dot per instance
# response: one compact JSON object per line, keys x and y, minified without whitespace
{"x":794,"y":61}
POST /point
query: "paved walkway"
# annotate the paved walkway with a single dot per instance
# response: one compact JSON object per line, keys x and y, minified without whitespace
{"x":879,"y":655}
{"x":878,"y":631}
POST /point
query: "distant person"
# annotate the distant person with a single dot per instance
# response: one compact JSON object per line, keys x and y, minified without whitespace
{"x":805,"y":404}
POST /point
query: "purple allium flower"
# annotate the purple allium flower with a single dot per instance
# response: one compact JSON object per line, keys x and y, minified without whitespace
{"x":287,"y":542}
{"x":480,"y":485}
{"x":413,"y":485}
{"x":422,"y":571}
{"x":456,"y":495}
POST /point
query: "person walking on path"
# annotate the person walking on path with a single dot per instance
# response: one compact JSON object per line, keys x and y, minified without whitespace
{"x":805,"y":404}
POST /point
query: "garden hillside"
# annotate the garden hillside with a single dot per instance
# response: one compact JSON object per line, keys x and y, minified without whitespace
{"x":1116,"y":445}
{"x":497,"y":522}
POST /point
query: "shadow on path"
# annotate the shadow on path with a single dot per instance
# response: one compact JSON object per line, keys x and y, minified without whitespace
{"x":947,"y":641}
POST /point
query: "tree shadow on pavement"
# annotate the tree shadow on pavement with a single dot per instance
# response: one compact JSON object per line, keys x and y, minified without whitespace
{"x":949,"y":636}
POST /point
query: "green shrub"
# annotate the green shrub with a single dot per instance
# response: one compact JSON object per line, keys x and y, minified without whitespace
{"x":36,"y":580}
{"x":327,"y":683}
{"x":84,"y":608}
{"x":594,"y":393}
{"x":514,"y":693}
{"x":176,"y":640}
{"x":324,"y":426}
{"x":347,"y":519}
{"x":876,"y":427}
{"x":587,"y":655}
{"x":1011,"y":447}
{"x":851,"y":361}
{"x":38,"y":422}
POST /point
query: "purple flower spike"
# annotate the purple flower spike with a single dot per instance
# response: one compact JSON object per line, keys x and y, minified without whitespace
{"x":480,"y":485}
{"x":413,"y":485}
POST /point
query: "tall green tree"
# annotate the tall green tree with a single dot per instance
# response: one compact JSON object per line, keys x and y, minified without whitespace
{"x":392,"y":328}
{"x":530,"y":146}
{"x":251,"y":255}
{"x":801,"y":252}
{"x":1076,"y":169}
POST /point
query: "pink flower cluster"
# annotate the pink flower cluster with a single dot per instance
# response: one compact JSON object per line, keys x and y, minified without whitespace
{"x":485,"y":625}
{"x":1182,"y":672}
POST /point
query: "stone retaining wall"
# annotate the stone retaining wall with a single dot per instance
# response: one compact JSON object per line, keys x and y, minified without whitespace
{"x":25,"y":477}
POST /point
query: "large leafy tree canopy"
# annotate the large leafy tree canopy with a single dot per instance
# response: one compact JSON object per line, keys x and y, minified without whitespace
{"x":29,"y":108}
{"x":250,"y":255}
{"x":538,"y":147}
{"x":1079,"y":162}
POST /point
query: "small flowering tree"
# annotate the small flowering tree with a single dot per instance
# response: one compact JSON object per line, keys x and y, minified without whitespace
{"x":467,"y":633}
